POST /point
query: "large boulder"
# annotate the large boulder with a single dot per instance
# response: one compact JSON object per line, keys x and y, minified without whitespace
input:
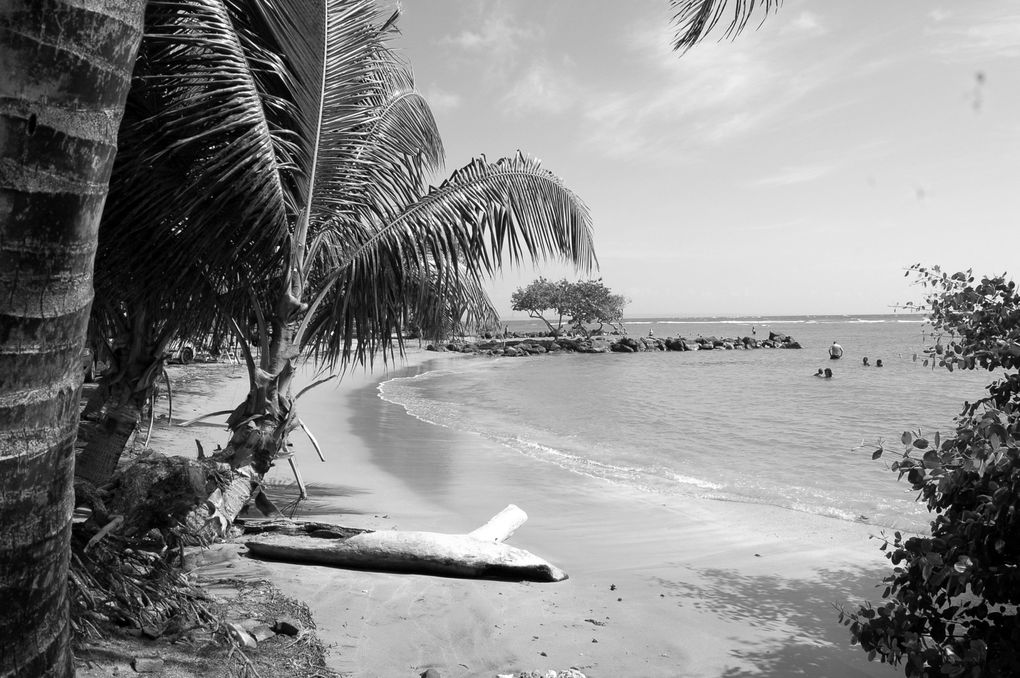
{"x":676,"y":344}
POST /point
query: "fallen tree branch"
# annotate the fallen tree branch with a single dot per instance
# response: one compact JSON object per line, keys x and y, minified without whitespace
{"x":457,"y":555}
{"x":315,"y":443}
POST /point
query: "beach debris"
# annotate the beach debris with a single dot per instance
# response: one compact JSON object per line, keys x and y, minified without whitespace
{"x":240,"y":635}
{"x":81,"y":514}
{"x":147,"y":664}
{"x":263,"y":632}
{"x":116,"y":522}
{"x":287,"y":626}
{"x":478,"y":554}
{"x":551,"y":673}
{"x":501,"y":526}
{"x":249,"y":624}
{"x":596,"y":622}
{"x":612,"y":587}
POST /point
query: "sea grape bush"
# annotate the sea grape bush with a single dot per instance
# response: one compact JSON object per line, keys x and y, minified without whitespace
{"x":950,"y":604}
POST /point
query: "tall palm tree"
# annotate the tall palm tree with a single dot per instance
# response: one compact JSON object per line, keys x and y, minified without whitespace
{"x":65,"y":76}
{"x":284,"y":157}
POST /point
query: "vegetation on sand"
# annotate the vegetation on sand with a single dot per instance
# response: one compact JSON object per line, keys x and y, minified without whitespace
{"x":950,"y":604}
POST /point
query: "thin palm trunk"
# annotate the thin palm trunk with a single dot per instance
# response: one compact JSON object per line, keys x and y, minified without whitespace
{"x":122,"y":398}
{"x":67,"y":67}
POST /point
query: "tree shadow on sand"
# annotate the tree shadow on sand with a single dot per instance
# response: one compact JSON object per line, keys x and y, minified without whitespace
{"x":322,"y":499}
{"x":816,"y":644}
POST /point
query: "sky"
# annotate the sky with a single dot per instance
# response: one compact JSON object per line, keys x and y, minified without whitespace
{"x":799,"y":168}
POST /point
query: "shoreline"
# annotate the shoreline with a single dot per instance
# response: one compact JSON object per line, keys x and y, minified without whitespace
{"x":692,"y":588}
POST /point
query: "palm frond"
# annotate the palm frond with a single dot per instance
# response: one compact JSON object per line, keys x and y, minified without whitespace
{"x":402,"y":148}
{"x":205,"y":151}
{"x":399,"y":149}
{"x":695,"y":19}
{"x":340,"y":80}
{"x":483,"y":215}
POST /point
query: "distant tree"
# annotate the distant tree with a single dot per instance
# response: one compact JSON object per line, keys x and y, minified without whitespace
{"x":542,"y":297}
{"x":581,"y":304}
{"x":951,"y":602}
{"x":590,"y":302}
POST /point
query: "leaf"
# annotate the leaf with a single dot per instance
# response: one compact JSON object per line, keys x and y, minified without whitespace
{"x":694,"y":19}
{"x":921,"y":443}
{"x":907,"y":437}
{"x":877,"y":453}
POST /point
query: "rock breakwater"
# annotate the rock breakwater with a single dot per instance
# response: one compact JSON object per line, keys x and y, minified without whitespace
{"x":612,"y":344}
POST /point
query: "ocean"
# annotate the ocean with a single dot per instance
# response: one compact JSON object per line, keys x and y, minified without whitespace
{"x":749,"y":426}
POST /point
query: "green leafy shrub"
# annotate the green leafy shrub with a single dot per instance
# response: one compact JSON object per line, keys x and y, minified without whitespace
{"x":950,"y":604}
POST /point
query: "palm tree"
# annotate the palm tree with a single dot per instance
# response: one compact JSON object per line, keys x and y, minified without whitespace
{"x":284,"y":158}
{"x":66,"y":71}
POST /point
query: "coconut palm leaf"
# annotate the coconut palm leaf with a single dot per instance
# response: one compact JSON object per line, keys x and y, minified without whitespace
{"x":483,"y":215}
{"x":695,"y":19}
{"x":400,"y":149}
{"x":199,"y":146}
{"x":241,"y":110}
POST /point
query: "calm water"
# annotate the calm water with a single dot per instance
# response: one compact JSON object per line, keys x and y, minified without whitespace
{"x":749,"y":426}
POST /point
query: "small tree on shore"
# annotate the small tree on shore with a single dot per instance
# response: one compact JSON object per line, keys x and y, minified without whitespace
{"x":590,"y":302}
{"x":581,"y":303}
{"x":951,"y":602}
{"x":542,"y":297}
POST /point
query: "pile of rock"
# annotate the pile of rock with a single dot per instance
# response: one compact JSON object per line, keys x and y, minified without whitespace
{"x":615,"y":344}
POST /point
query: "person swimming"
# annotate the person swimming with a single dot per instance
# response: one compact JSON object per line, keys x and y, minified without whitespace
{"x":828,"y":373}
{"x":878,"y":363}
{"x":835,"y":351}
{"x":865,"y":363}
{"x":819,"y":373}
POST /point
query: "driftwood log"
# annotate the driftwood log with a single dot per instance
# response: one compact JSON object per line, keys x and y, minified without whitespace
{"x":480,"y":553}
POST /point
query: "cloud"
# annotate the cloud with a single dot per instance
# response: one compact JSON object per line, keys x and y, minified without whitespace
{"x":713,"y":94}
{"x":939,"y":15}
{"x":992,"y":36}
{"x":496,"y":35}
{"x":542,"y":88}
{"x":797,"y":174}
{"x":441,"y":100}
{"x":679,"y":107}
{"x":808,"y":23}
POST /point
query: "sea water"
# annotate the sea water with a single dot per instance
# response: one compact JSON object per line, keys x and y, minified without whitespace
{"x":750,"y":426}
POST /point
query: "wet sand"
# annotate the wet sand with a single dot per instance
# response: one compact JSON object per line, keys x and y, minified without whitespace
{"x":658,"y":587}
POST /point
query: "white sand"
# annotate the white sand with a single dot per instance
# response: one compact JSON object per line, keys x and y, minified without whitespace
{"x":658,"y":588}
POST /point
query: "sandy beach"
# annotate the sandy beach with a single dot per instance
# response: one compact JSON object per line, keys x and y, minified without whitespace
{"x":657,"y":588}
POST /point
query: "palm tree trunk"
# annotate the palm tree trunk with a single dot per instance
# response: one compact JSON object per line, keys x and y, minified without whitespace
{"x":67,"y":69}
{"x":260,"y":426}
{"x":122,"y":400}
{"x":122,"y":411}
